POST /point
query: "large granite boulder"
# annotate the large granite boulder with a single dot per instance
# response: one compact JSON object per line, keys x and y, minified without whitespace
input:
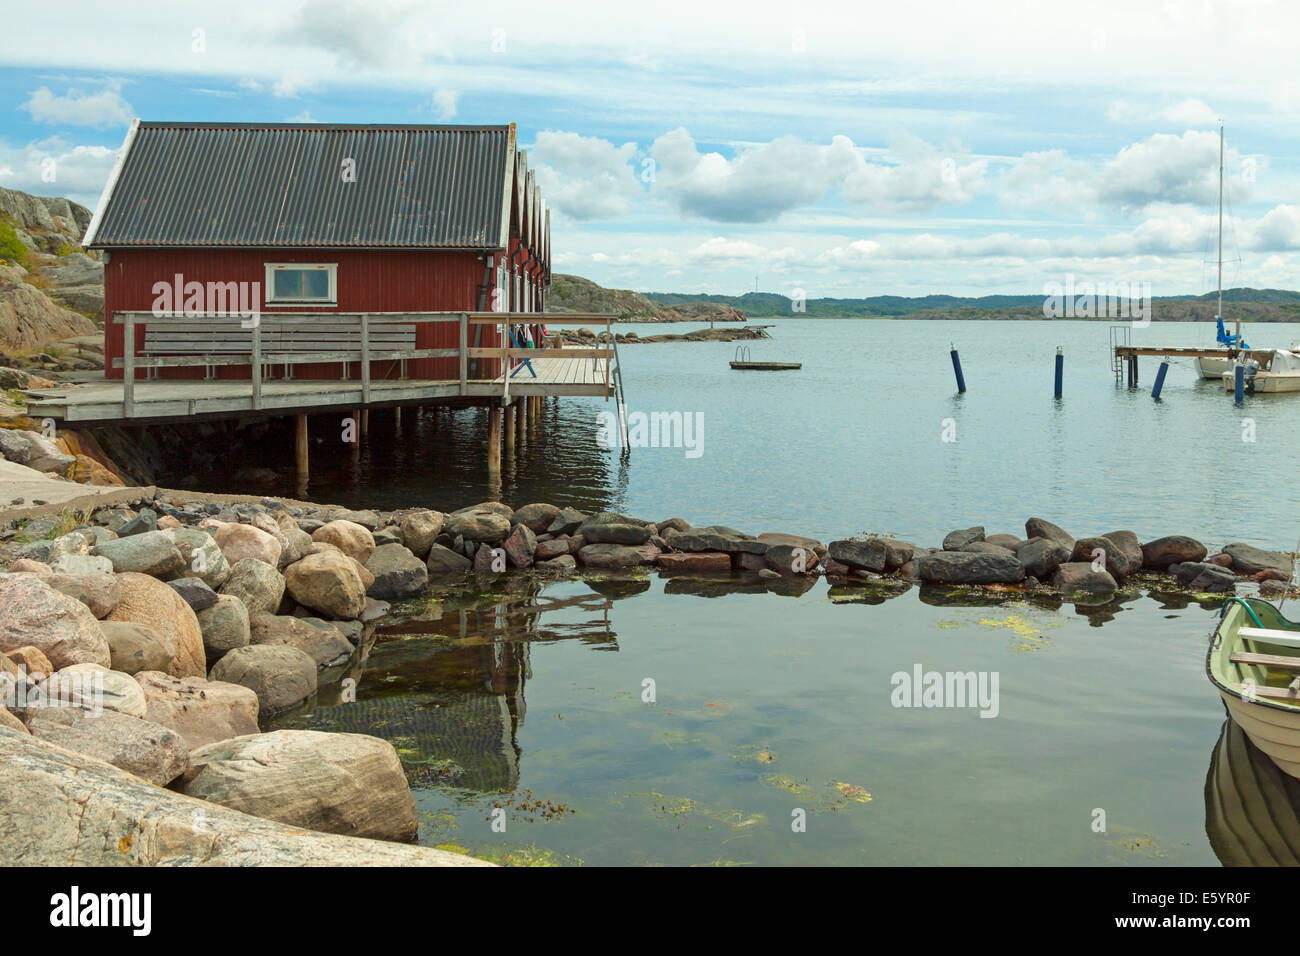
{"x":93,"y":814}
{"x":351,"y":538}
{"x":62,"y":628}
{"x":442,"y":560}
{"x":1112,"y":556}
{"x":240,"y":541}
{"x":148,"y":601}
{"x":282,"y":677}
{"x":612,"y":557}
{"x":398,"y":572}
{"x":327,"y":582}
{"x":325,"y":647}
{"x":1248,"y":559}
{"x":1078,"y":579}
{"x":958,"y":540}
{"x":537,"y":517}
{"x":224,"y":627}
{"x":1127,"y":542}
{"x":482,"y":525}
{"x":872,"y":554}
{"x":138,"y":647}
{"x":520,"y":548}
{"x":1041,"y":556}
{"x":140,"y":747}
{"x":149,"y":552}
{"x":715,"y":538}
{"x":606,"y":527}
{"x":420,"y":529}
{"x":349,"y":784}
{"x":92,"y":688}
{"x":202,"y":555}
{"x":1042,"y":528}
{"x":201,"y":711}
{"x":99,"y":592}
{"x":257,"y":584}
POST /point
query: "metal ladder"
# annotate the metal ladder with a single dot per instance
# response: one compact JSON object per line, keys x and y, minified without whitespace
{"x":620,"y":398}
{"x":1120,"y":337}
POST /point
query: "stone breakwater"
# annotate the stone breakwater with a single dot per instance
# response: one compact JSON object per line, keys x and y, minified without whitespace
{"x":155,"y":637}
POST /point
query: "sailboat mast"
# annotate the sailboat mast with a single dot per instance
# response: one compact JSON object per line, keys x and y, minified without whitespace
{"x":1221,"y":221}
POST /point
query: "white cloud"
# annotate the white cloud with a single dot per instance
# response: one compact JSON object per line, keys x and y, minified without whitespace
{"x":1188,"y":113}
{"x":444,"y":104}
{"x":79,"y":172}
{"x":585,"y":177}
{"x":768,"y":179}
{"x":100,"y":110}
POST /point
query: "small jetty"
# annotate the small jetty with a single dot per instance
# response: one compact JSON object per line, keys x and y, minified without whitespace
{"x":742,"y":361}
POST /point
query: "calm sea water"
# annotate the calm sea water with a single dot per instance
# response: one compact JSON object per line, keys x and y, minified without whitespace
{"x":854,"y":440}
{"x":533,"y":696}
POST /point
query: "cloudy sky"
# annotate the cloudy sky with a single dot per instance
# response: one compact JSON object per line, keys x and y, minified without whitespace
{"x":843,"y":149}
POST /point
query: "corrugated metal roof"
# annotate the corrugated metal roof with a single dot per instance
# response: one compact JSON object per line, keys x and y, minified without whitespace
{"x":223,"y":185}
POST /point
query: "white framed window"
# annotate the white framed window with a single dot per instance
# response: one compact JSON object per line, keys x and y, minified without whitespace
{"x":295,"y":282}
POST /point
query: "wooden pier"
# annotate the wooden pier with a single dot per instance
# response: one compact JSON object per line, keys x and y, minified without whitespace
{"x":360,"y":341}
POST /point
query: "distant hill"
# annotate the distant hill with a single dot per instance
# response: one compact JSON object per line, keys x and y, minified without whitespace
{"x":1255,"y":305}
{"x":576,"y":294}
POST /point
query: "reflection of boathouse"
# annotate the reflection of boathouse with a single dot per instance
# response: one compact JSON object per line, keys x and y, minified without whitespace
{"x":472,"y":717}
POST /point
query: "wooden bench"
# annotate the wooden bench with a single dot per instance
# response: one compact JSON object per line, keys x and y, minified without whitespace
{"x":1266,"y":635}
{"x":278,"y":337}
{"x":1277,"y":661}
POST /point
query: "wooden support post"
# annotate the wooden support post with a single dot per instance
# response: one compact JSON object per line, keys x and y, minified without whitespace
{"x":300,"y":446}
{"x":363,"y":429}
{"x":509,"y":426}
{"x":523,"y":423}
{"x":397,"y":417}
{"x":257,"y":364}
{"x":494,"y":441}
{"x":464,"y":353}
{"x":128,"y":365}
{"x":365,"y":357}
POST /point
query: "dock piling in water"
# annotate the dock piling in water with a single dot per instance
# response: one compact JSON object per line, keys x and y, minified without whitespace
{"x":1060,"y":370}
{"x":1239,"y":383}
{"x":1160,"y":379}
{"x":956,"y":367}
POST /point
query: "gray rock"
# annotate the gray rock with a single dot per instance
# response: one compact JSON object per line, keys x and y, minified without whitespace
{"x":256,"y":583}
{"x":101,"y":593}
{"x":282,"y":677}
{"x":446,"y":561}
{"x":566,"y":522}
{"x":1042,"y":528}
{"x":872,"y":554}
{"x":225,"y":626}
{"x":606,"y":527}
{"x":1127,"y":542}
{"x":140,"y":747}
{"x":970,"y":567}
{"x":79,"y":564}
{"x":1075,"y":579}
{"x":194,"y":592}
{"x":537,"y":517}
{"x":616,"y":556}
{"x":350,"y":784}
{"x":146,"y":519}
{"x":482,"y":526}
{"x":1115,"y":560}
{"x":520,"y":547}
{"x":1008,"y":541}
{"x":137,"y":647}
{"x":202,"y":555}
{"x":420,"y":529}
{"x":1247,"y":559}
{"x":93,"y":814}
{"x":1041,"y":556}
{"x":956,"y":540}
{"x":326,"y":647}
{"x":715,"y":538}
{"x":398,"y":573}
{"x":1159,"y":554}
{"x":147,"y":552}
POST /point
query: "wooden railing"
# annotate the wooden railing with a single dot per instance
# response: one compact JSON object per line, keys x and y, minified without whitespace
{"x":257,"y":357}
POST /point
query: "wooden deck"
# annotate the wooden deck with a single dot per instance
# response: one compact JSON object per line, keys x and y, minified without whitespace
{"x":171,"y":400}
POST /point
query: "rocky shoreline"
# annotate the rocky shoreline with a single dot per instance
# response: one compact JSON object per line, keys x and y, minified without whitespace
{"x":153,"y":635}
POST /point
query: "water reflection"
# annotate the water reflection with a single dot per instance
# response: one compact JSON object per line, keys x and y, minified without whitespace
{"x":1252,"y":809}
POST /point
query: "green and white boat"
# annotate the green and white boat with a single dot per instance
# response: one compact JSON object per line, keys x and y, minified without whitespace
{"x":1254,"y":661}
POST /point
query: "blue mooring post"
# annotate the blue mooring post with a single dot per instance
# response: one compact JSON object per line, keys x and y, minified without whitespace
{"x":1239,"y":383}
{"x":1160,"y":380}
{"x":956,"y":367}
{"x":1060,"y":370}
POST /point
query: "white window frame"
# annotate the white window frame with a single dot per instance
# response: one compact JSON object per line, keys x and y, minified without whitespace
{"x":332,"y":268}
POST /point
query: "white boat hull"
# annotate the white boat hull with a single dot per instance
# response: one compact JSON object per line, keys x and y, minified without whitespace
{"x":1266,"y":382}
{"x":1213,"y":368}
{"x":1273,"y":730}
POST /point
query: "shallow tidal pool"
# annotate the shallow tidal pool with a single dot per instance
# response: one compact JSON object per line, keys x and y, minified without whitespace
{"x":641,"y":721}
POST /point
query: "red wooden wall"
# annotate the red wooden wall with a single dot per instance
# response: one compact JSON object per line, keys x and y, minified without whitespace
{"x":368,"y":281}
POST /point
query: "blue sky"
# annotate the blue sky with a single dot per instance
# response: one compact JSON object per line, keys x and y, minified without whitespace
{"x":840,"y":149}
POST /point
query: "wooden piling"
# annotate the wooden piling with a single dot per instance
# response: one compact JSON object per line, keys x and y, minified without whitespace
{"x":494,"y":440}
{"x":509,"y":426}
{"x":300,"y":456}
